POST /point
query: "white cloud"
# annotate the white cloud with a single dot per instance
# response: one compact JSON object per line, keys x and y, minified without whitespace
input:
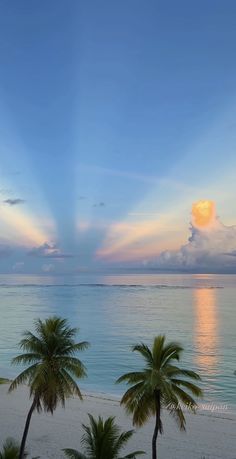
{"x":18,"y":266}
{"x":48,"y":268}
{"x":211,"y":249}
{"x":48,"y":251}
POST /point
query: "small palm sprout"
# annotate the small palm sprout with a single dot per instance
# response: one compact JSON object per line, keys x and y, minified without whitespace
{"x":50,"y":354}
{"x":103,"y":440}
{"x":160,"y":384}
{"x":10,"y":449}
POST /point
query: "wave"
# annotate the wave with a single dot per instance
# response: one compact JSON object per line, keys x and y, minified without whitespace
{"x":125,"y":286}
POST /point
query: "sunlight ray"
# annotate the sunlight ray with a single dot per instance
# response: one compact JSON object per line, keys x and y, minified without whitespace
{"x":26,"y":227}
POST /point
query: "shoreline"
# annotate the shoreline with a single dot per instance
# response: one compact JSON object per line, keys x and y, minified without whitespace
{"x":209,"y":434}
{"x":205,"y":407}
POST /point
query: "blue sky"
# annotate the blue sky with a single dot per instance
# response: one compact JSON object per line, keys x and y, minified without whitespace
{"x":115,"y":117}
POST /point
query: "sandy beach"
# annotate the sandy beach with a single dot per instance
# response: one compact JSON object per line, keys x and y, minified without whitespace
{"x":209,"y":434}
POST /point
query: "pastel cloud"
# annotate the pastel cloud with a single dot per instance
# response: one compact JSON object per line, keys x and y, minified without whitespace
{"x":210,"y":250}
{"x":159,"y":244}
{"x":48,"y":251}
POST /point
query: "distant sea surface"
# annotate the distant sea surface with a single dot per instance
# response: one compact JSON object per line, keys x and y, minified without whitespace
{"x":114,"y":312}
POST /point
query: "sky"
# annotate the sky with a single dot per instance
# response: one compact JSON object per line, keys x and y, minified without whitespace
{"x":115,"y":117}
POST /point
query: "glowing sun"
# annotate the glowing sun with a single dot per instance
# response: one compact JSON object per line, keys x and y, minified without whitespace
{"x":203,"y":213}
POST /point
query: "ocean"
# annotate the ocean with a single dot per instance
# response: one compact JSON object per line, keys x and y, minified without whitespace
{"x":114,"y":312}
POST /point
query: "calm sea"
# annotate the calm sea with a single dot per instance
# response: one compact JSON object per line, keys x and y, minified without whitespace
{"x":115,"y":312}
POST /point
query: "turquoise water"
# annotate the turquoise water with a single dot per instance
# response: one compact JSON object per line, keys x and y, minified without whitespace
{"x":115,"y":312}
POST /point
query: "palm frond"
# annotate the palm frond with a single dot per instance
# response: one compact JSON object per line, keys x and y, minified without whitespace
{"x":172,"y":370}
{"x":130,"y":378}
{"x":133,"y":393}
{"x":71,"y":364}
{"x":77,"y":347}
{"x":104,"y":439}
{"x":24,"y":377}
{"x":145,"y":352}
{"x":73,"y":454}
{"x":73,"y":386}
{"x":26,"y":358}
{"x":193,"y":388}
{"x":123,"y":438}
{"x":185,"y":399}
{"x":171,"y":351}
{"x":133,"y":455}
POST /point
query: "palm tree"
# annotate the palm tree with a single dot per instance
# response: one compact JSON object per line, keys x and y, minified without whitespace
{"x":160,"y":384}
{"x":50,"y":354}
{"x":103,"y":440}
{"x":10,"y":449}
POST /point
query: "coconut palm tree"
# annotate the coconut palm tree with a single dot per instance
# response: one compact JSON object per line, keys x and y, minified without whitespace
{"x":103,"y":440}
{"x":50,"y":354}
{"x":10,"y":449}
{"x":160,"y":384}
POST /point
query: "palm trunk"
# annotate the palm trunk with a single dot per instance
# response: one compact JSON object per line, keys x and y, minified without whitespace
{"x":26,"y":429}
{"x":157,"y":424}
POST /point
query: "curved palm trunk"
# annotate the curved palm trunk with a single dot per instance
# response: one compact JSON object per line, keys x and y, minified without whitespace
{"x":26,"y":429}
{"x":157,"y":424}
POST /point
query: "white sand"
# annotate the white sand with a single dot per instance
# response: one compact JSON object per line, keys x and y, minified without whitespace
{"x":209,"y":435}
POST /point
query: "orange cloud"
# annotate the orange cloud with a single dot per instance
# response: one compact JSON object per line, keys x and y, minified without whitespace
{"x":203,"y":213}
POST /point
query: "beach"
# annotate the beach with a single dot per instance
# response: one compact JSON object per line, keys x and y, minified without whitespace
{"x":209,"y":435}
{"x":113,"y":313}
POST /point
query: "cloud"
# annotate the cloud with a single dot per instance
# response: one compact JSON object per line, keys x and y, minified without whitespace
{"x":48,"y":268}
{"x":210,"y":249}
{"x":48,"y":251}
{"x":14,"y":202}
{"x":82,"y":198}
{"x":100,"y":204}
{"x":18,"y":266}
{"x":232,"y":254}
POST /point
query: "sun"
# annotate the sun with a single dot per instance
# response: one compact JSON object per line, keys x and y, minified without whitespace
{"x":203,"y":213}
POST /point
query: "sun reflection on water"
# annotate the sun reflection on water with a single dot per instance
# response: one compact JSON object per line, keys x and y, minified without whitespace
{"x":206,"y":329}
